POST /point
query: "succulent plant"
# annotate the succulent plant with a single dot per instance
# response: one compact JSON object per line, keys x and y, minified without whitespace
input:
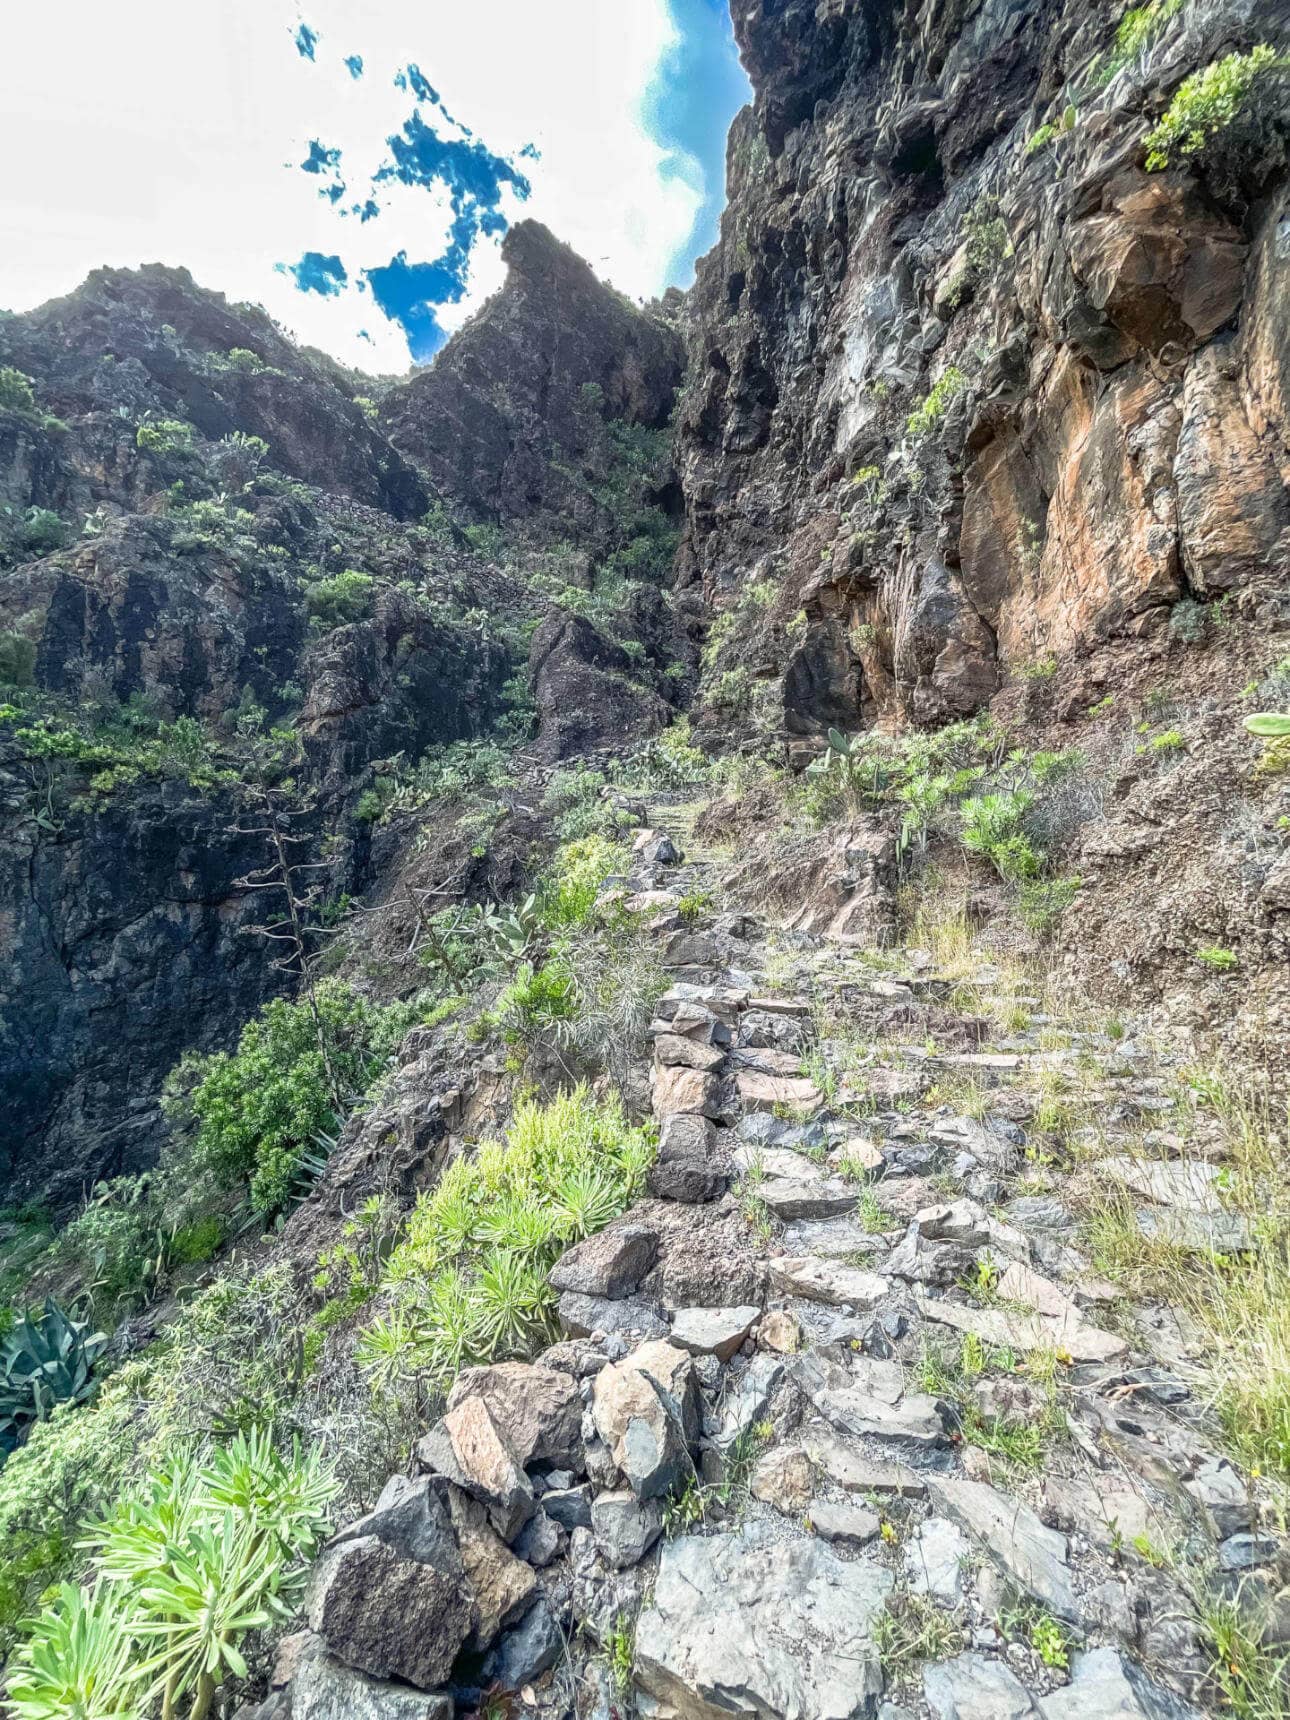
{"x":48,"y":1358}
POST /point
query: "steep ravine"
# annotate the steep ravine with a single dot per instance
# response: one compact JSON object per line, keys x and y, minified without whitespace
{"x":812,"y":1245}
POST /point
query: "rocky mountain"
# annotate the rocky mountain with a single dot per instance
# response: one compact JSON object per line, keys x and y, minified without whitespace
{"x":201,"y":524}
{"x":647,"y":968}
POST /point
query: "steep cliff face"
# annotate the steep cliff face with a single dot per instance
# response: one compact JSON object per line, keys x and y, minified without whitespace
{"x":969,"y":385}
{"x":205,"y":532}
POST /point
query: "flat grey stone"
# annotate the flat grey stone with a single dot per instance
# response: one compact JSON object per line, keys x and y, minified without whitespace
{"x":746,"y":1623}
{"x":974,"y":1687}
{"x":807,"y":1198}
{"x":713,"y":1331}
{"x":1105,"y":1682}
{"x":1025,"y":1332}
{"x":1009,"y":1532}
{"x":934,"y":1557}
{"x":854,"y":1471}
{"x":1201,"y":1232}
{"x":1185,"y":1184}
{"x":849,"y":1524}
{"x":827,"y":1281}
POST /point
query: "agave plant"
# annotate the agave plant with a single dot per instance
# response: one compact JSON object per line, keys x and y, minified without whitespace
{"x":48,"y":1358}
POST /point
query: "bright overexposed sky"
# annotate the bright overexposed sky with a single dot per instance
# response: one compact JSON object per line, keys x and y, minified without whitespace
{"x":137,"y":131}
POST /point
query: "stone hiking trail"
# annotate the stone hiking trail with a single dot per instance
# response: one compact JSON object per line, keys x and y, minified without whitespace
{"x":731,"y":1489}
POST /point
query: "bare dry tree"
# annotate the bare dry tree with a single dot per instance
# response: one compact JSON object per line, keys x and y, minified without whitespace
{"x":275,"y":812}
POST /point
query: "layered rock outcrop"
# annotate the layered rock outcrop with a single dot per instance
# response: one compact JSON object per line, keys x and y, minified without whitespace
{"x":968,"y":392}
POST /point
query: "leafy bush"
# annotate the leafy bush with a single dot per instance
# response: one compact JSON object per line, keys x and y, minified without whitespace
{"x":297,"y":1069}
{"x":47,"y":1358}
{"x":993,"y":828}
{"x":335,"y":602}
{"x":41,"y":532}
{"x":668,"y":760}
{"x":536,"y":1001}
{"x":68,"y":1469}
{"x":469,"y":1281}
{"x":165,"y":437}
{"x":16,"y":392}
{"x":118,"y":1242}
{"x":17,"y":660}
{"x":577,"y":874}
{"x":931,"y":410}
{"x":1206,"y":104}
{"x":201,"y":1553}
{"x":1135,"y":32}
{"x":1044,"y":901}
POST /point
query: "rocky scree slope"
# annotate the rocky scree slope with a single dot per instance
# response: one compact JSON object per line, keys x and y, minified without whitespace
{"x":843,"y":1421}
{"x":207,"y":532}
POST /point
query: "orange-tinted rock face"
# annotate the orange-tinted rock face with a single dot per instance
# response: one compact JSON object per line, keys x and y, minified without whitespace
{"x":1016,"y":400}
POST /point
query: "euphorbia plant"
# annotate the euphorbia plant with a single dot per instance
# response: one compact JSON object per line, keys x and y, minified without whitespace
{"x":202,"y":1553}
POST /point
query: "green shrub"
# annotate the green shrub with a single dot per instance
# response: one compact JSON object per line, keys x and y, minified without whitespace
{"x":166,"y":437}
{"x":1206,"y":104}
{"x":931,"y":410}
{"x":297,"y":1069}
{"x":1044,"y":901}
{"x":16,"y":392}
{"x":187,"y":1564}
{"x":17,"y":660}
{"x":335,"y":602}
{"x":242,"y":358}
{"x":118,"y":1243}
{"x":41,"y":532}
{"x":1216,"y":957}
{"x":1135,"y":32}
{"x":537,"y":999}
{"x":69,"y":1469}
{"x":574,"y":881}
{"x":469,"y":1281}
{"x":194,"y":1243}
{"x":1187,"y":620}
{"x":575,"y":795}
{"x":668,"y":760}
{"x":993,"y":828}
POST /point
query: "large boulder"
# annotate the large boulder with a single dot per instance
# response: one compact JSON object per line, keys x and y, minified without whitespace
{"x":745,"y":1623}
{"x":645,"y":1411}
{"x":388,"y":1616}
{"x":537,"y":1410}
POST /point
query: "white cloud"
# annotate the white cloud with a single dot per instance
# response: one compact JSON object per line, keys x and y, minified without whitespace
{"x":148,"y":131}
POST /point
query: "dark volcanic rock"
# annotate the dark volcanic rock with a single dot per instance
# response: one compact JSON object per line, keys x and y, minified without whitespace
{"x":486,"y":419}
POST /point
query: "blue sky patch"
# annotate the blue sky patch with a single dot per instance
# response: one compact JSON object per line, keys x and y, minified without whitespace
{"x":320,"y":159}
{"x":315,"y":273}
{"x":697,"y":90}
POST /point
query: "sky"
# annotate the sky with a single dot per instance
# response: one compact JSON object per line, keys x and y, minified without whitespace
{"x":352,"y":165}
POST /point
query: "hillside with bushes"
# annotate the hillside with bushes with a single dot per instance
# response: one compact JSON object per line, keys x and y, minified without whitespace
{"x":645,"y":1039}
